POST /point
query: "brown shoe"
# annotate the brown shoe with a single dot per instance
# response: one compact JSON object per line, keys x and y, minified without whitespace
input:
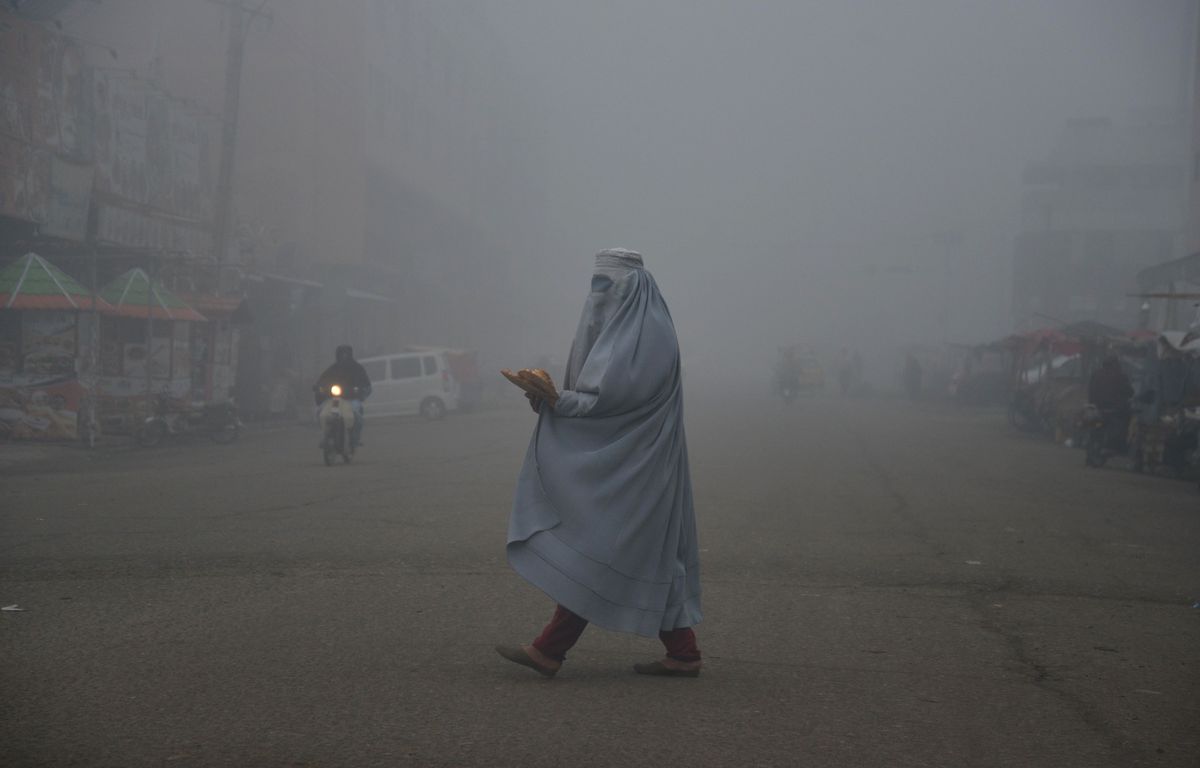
{"x":517,"y":654}
{"x":662,"y":670}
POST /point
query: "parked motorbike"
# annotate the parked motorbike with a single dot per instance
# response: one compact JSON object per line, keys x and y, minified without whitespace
{"x":1105,"y":433}
{"x":1181,"y":443}
{"x":218,"y":420}
{"x":336,"y":416}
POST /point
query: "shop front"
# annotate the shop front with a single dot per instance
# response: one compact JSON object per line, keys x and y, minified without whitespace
{"x":146,"y":349}
{"x":214,"y":344}
{"x":45,"y":325}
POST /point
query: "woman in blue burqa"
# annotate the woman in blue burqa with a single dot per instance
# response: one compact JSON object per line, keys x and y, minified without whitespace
{"x":602,"y":521}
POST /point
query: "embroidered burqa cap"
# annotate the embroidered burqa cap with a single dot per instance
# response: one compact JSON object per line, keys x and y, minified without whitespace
{"x":602,"y":519}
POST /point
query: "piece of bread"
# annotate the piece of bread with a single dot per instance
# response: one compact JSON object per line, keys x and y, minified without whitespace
{"x":532,"y":376}
{"x":515,"y":379}
{"x":544,"y":383}
{"x":532,"y":384}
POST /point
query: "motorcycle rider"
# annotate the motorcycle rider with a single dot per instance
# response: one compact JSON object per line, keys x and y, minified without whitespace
{"x":350,"y":374}
{"x":787,"y":372}
{"x":1110,"y":391}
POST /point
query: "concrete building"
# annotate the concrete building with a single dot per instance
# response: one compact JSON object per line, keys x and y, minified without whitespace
{"x":453,"y":185}
{"x":1173,"y":289}
{"x":1191,"y":101}
{"x":386,"y":178}
{"x":1105,"y":203}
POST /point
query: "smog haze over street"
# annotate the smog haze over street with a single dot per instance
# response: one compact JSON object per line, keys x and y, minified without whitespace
{"x":838,"y":174}
{"x":791,"y":169}
{"x":895,"y":571}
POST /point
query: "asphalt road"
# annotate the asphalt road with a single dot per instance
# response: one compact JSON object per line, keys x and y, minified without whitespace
{"x":886,"y":584}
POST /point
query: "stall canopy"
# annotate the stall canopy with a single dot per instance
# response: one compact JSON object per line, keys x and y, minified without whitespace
{"x":233,"y":308}
{"x":31,"y":282}
{"x":133,"y":295}
{"x":1186,"y":342}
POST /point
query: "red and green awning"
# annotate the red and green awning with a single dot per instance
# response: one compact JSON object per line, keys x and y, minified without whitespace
{"x":31,"y":282}
{"x":133,"y":295}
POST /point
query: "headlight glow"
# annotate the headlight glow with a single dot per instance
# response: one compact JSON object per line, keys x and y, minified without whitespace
{"x":335,"y":390}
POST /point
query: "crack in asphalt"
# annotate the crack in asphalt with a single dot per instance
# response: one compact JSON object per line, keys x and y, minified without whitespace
{"x":1041,"y":676}
{"x":1038,"y":674}
{"x":900,"y":506}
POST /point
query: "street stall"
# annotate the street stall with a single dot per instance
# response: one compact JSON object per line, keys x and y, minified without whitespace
{"x":45,"y":325}
{"x":1053,"y":368}
{"x":1049,"y":386}
{"x":145,"y":349}
{"x":1167,"y":398}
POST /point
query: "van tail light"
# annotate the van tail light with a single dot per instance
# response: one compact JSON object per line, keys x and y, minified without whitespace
{"x":445,"y":380}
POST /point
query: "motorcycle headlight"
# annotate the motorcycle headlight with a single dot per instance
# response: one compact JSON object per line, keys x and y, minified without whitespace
{"x":335,"y":390}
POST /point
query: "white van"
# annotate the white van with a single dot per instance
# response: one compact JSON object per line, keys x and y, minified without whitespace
{"x":411,"y":382}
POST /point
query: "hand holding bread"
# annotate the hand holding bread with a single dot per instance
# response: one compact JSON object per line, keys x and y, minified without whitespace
{"x":536,"y":382}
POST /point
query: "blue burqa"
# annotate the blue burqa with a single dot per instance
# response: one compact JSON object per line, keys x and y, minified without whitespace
{"x":602,"y":521}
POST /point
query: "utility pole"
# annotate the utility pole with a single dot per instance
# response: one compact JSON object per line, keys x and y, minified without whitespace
{"x":240,"y":18}
{"x":90,"y":411}
{"x":151,"y":273}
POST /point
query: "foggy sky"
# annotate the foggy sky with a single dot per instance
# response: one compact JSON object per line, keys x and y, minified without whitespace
{"x":840,"y":173}
{"x":751,"y":150}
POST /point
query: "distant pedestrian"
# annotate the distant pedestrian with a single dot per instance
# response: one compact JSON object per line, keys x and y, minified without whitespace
{"x":912,"y":376}
{"x":602,"y":521}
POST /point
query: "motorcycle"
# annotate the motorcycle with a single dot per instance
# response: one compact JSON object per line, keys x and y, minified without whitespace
{"x":1104,"y":435}
{"x":218,"y":420}
{"x":336,"y":416}
{"x":787,"y":393}
{"x":787,"y":387}
{"x":1181,"y":442}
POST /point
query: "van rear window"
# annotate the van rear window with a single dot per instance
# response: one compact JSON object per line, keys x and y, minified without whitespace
{"x":375,"y":370}
{"x":430,"y":365}
{"x":406,"y":367}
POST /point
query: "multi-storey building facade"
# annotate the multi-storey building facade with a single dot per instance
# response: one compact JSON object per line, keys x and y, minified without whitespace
{"x":384,"y":186}
{"x":1104,"y":204}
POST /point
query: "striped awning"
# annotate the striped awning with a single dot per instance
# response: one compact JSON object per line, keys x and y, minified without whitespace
{"x":134,"y":295}
{"x":31,"y":282}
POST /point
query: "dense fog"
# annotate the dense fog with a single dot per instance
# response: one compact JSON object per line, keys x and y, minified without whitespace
{"x":837,"y":174}
{"x":900,"y":445}
{"x":840,"y":175}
